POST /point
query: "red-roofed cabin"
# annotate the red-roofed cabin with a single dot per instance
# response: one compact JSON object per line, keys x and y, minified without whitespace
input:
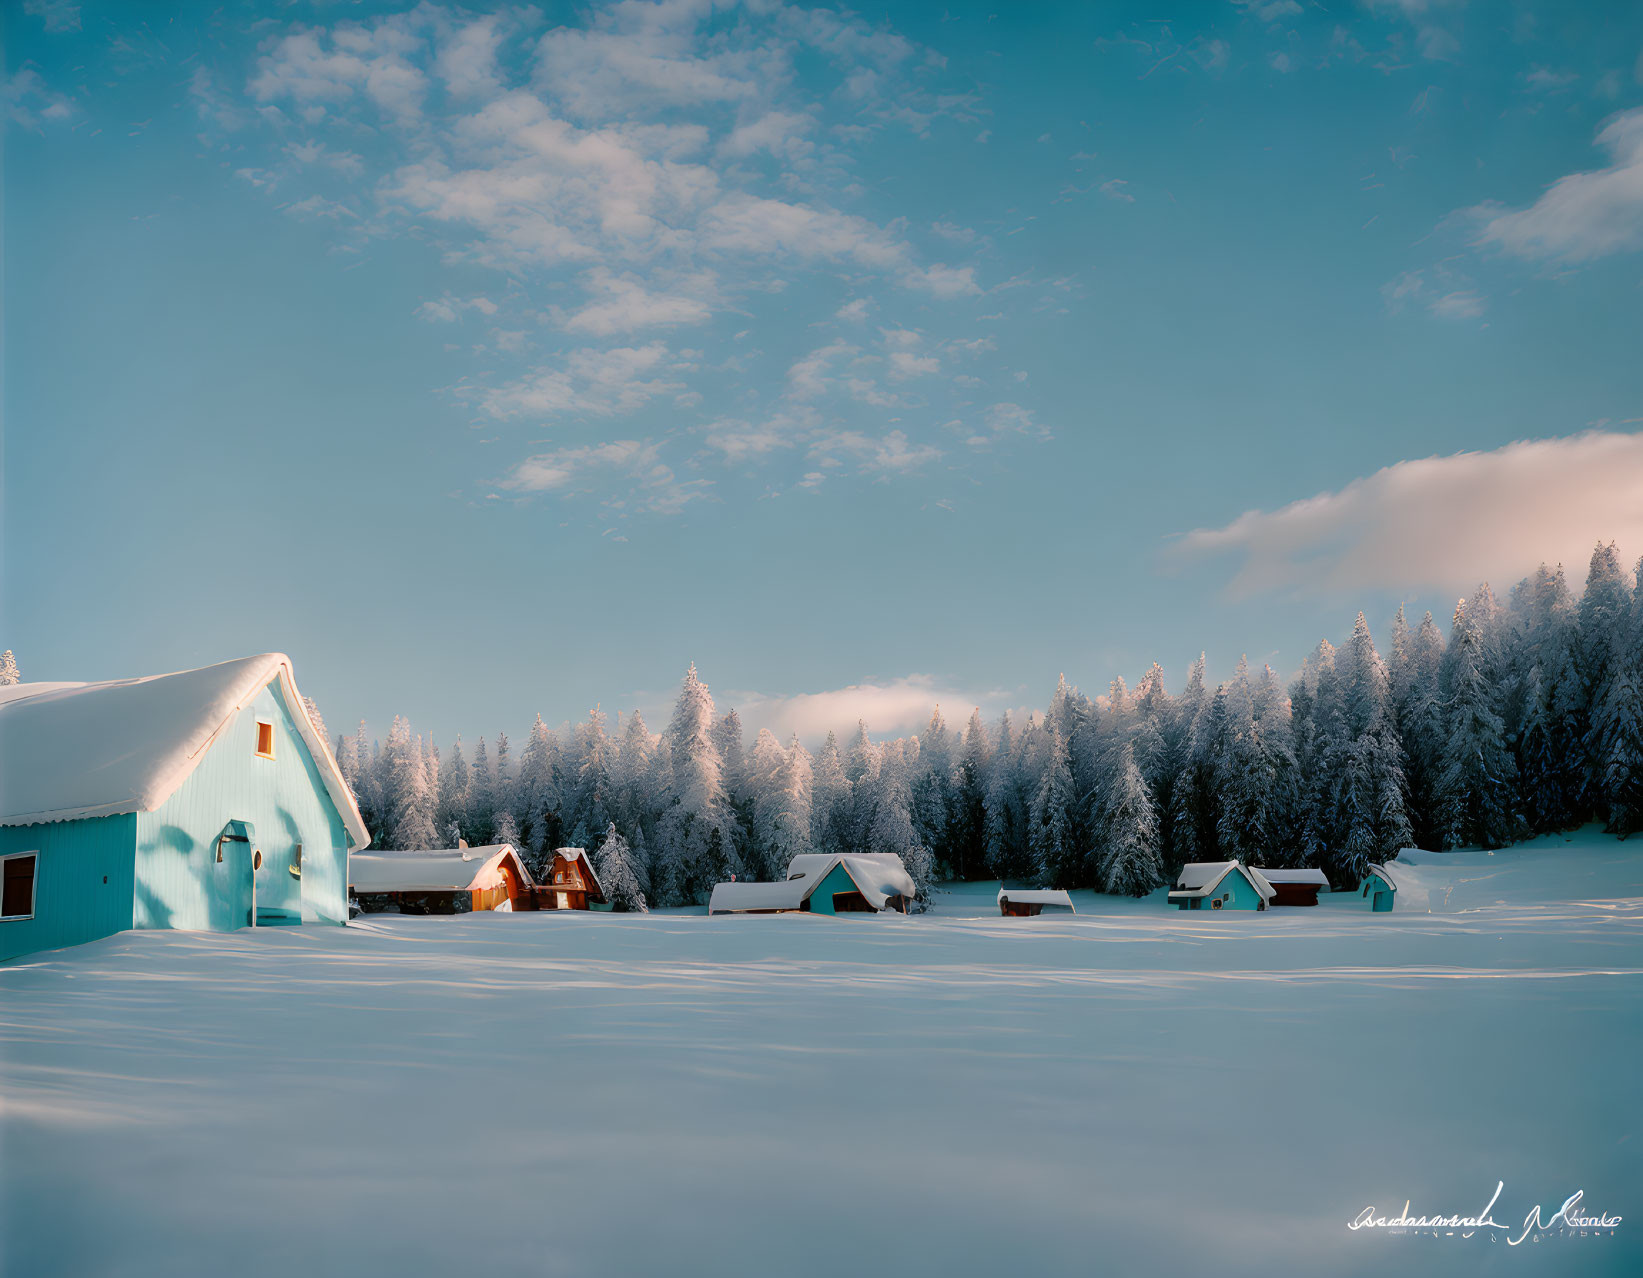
{"x":569,"y":883}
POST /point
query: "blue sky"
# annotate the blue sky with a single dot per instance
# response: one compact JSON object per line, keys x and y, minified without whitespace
{"x":494,"y":362}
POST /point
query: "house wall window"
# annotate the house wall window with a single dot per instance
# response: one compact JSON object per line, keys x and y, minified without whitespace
{"x":17,"y":885}
{"x":265,"y":739}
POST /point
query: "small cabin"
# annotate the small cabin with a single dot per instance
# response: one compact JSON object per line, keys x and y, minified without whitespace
{"x":819,"y":883}
{"x":1220,"y":885}
{"x":444,"y":881}
{"x":204,"y":799}
{"x":1026,"y":903}
{"x":569,"y":883}
{"x":1295,"y":887}
{"x":1393,"y":886}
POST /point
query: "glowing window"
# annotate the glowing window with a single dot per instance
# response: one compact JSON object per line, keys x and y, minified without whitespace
{"x":265,"y":740}
{"x":1216,"y":903}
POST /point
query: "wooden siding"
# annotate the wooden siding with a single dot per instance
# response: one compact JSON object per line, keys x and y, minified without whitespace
{"x":82,"y":882}
{"x":178,"y":880}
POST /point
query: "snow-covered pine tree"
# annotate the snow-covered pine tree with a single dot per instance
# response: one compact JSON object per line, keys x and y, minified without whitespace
{"x":695,"y":844}
{"x":8,"y":669}
{"x":831,"y":801}
{"x":861,"y":769}
{"x":540,"y":797}
{"x":452,"y":808}
{"x":1129,"y":854}
{"x":1052,"y":836}
{"x":1603,"y":609}
{"x":635,"y":805}
{"x":1617,"y":723}
{"x":613,"y":863}
{"x":970,"y":801}
{"x":1477,"y":777}
{"x":481,"y":797}
{"x":505,"y":829}
{"x":1192,"y":797}
{"x":727,"y":739}
{"x":765,"y":764}
{"x":589,"y":805}
{"x":502,"y":786}
{"x":314,"y":716}
{"x":1007,"y":856}
{"x":934,"y":815}
{"x":892,"y":821}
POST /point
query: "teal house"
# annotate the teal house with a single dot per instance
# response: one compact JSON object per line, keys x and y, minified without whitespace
{"x":819,"y":883}
{"x":1221,"y":885}
{"x":1393,"y":887}
{"x":205,"y":799}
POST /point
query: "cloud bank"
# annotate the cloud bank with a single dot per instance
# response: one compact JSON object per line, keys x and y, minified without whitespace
{"x":1442,"y":522}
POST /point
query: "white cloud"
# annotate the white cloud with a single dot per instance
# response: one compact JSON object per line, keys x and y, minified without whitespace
{"x":1442,"y":522}
{"x":905,"y":364}
{"x":779,"y":133}
{"x":448,"y":309}
{"x":327,"y":68}
{"x":943,"y":281}
{"x":739,"y":441}
{"x":595,"y":383}
{"x":854,"y":312}
{"x":1113,"y":189}
{"x":466,"y":61}
{"x":565,"y":471}
{"x":812,"y":375}
{"x":890,"y":707}
{"x":1441,"y":300}
{"x":30,"y":102}
{"x":890,"y":454}
{"x":1583,"y":215}
{"x":57,"y":15}
{"x":344,"y":162}
{"x":622,"y":304}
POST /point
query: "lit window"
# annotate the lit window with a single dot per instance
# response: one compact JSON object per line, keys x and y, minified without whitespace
{"x":1216,"y":903}
{"x":17,"y":886}
{"x":296,"y":862}
{"x":265,"y":739}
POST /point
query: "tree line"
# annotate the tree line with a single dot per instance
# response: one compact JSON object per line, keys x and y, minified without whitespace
{"x":1525,"y":718}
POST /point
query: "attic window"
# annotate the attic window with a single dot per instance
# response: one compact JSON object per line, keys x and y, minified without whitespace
{"x":17,"y":886}
{"x":1216,"y":903}
{"x":265,"y":740}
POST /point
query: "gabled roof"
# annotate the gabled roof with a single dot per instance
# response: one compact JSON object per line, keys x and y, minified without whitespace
{"x":74,"y":750}
{"x":439,"y":870}
{"x":1036,"y":896}
{"x":1201,"y":878}
{"x":1292,"y":876}
{"x":878,"y":876}
{"x":1396,"y":876}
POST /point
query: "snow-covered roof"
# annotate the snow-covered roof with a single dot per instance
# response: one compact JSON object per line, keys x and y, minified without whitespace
{"x":1397,"y":876}
{"x":740,"y":898}
{"x":1293,"y":876}
{"x":878,"y":875}
{"x":74,"y":750}
{"x":1201,"y":878}
{"x":442,"y":870}
{"x":1036,"y":896}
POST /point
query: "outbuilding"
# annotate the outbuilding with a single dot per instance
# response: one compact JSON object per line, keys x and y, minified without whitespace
{"x":570,"y":883}
{"x":1394,"y":886}
{"x":1295,"y":887}
{"x":820,"y":883}
{"x":1220,"y":885}
{"x":204,"y":799}
{"x":1020,"y":903}
{"x":446,"y":881}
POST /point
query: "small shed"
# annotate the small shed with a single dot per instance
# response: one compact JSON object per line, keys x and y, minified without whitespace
{"x":569,"y":883}
{"x":1295,"y":887}
{"x":820,"y":883}
{"x":1394,"y":886}
{"x":445,"y":881}
{"x":203,"y":799}
{"x":1220,"y":885}
{"x":1021,"y":903}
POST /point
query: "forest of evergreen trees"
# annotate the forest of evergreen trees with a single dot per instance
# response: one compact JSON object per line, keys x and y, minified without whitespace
{"x":1524,"y":719}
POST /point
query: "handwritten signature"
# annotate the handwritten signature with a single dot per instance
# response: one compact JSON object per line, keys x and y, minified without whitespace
{"x":1568,"y":1216}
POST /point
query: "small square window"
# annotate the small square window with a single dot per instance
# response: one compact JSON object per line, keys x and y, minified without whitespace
{"x":265,"y":739}
{"x":17,"y":886}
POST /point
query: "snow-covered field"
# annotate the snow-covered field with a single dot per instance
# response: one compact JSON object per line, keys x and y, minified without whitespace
{"x":1133,"y":1090}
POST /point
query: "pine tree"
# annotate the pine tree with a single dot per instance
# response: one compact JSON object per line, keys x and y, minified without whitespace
{"x":452,"y":808}
{"x":1477,"y":777}
{"x":1052,"y":838}
{"x":1192,"y":796}
{"x":1130,"y":860}
{"x":934,"y":815}
{"x":891,"y":828}
{"x":481,"y":797}
{"x":832,"y":801}
{"x":1007,"y":856}
{"x":1617,"y":723}
{"x":8,"y":669}
{"x":970,"y":801}
{"x":695,"y":847}
{"x":613,"y":863}
{"x":540,"y":798}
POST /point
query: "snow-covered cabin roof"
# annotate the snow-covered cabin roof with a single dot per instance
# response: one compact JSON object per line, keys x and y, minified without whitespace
{"x":1397,"y":876}
{"x":746,"y":898}
{"x":441,"y":870}
{"x":878,"y":875}
{"x":74,"y":750}
{"x":1036,"y":896}
{"x":1201,"y":878}
{"x":1293,"y":876}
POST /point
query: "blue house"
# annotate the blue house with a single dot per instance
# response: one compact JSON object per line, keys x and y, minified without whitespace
{"x":1220,"y":885}
{"x":1394,"y":886}
{"x":819,"y":883}
{"x":204,"y":799}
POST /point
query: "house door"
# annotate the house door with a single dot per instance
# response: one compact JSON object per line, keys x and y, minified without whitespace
{"x":233,"y":878}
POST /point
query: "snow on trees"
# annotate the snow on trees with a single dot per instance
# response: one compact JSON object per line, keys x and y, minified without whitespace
{"x":9,"y":673}
{"x":695,"y":847}
{"x":613,"y":863}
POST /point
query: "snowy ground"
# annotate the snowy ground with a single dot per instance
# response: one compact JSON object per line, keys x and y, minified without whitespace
{"x":1134,"y":1090}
